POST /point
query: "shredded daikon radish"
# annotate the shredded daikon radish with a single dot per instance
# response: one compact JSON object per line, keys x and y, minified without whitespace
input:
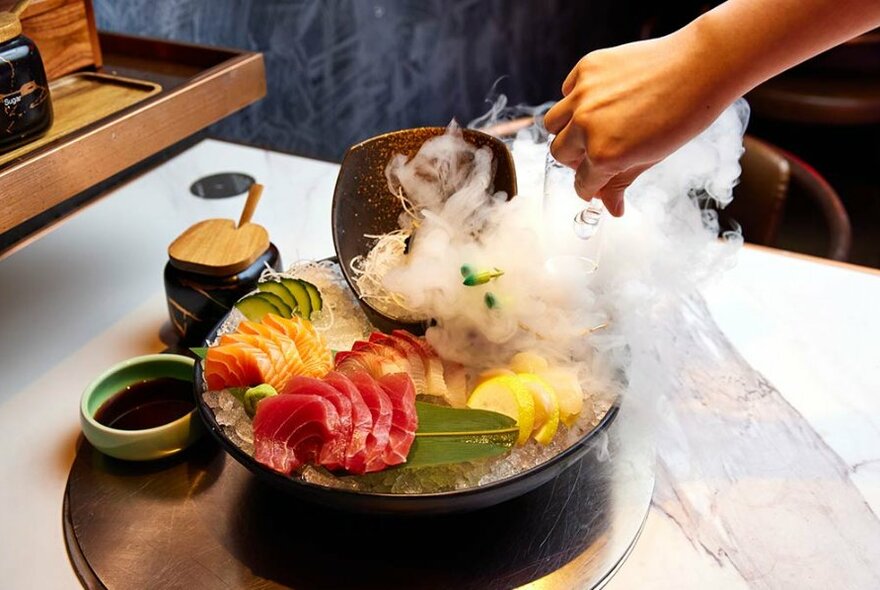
{"x":388,"y":252}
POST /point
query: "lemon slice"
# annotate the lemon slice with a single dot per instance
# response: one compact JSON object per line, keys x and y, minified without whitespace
{"x":528,"y":362}
{"x":507,"y":395}
{"x":492,"y":373}
{"x":546,"y":405}
{"x":568,"y":393}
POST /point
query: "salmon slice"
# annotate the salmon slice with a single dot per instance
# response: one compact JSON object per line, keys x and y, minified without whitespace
{"x":288,"y":347}
{"x":311,"y":345}
{"x":220,"y":368}
{"x":245,"y":366}
{"x":253,"y":352}
{"x":255,"y":328}
{"x":286,"y":361}
{"x":271,"y":352}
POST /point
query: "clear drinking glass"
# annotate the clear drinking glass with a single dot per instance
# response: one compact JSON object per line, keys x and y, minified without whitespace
{"x":577,"y":249}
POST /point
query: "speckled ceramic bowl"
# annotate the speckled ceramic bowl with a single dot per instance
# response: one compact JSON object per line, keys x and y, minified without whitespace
{"x":363,"y":205}
{"x":150,"y":443}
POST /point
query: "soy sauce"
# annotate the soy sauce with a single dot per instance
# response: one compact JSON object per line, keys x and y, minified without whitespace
{"x":147,"y":404}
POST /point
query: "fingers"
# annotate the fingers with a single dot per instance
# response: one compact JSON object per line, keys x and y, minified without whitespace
{"x":570,"y":80}
{"x":589,"y":179}
{"x":612,"y":193}
{"x":612,"y":196}
{"x":558,"y":117}
{"x":569,"y":147}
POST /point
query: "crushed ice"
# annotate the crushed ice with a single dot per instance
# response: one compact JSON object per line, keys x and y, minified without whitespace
{"x":350,"y":324}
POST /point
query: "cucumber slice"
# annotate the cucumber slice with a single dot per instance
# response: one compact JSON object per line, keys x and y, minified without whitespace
{"x":277,"y":288}
{"x":314,"y":296}
{"x":283,"y":309}
{"x":298,"y":291}
{"x":254,"y":307}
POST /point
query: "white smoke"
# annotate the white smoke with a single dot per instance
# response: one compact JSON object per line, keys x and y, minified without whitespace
{"x":665,"y":246}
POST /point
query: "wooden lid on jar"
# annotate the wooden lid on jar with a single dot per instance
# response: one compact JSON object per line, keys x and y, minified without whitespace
{"x":10,"y":25}
{"x":219,"y":247}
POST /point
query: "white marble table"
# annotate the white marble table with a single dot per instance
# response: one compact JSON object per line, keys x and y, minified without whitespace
{"x":90,"y":294}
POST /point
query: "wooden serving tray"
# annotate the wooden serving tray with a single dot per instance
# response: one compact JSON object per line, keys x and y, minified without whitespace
{"x":164,"y":92}
{"x":81,"y":99}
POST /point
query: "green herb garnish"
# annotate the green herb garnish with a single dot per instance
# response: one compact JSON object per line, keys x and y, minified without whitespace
{"x":472,"y":277}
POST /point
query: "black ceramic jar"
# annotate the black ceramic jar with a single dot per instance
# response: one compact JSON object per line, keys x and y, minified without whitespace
{"x":26,"y":111}
{"x":196,"y":301}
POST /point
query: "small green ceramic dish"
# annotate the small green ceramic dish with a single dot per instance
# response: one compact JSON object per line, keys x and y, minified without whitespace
{"x":149,"y":443}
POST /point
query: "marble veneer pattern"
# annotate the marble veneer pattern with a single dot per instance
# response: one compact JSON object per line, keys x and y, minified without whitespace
{"x":747,"y":480}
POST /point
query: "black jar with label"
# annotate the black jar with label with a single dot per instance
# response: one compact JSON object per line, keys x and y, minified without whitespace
{"x":25,"y":105}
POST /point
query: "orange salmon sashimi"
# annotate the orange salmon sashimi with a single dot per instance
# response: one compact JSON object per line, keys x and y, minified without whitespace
{"x":272,"y":352}
{"x":311,"y":345}
{"x":231,"y":365}
{"x":285,"y":363}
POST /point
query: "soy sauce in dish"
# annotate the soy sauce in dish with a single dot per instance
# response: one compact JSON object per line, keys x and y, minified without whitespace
{"x":147,"y":404}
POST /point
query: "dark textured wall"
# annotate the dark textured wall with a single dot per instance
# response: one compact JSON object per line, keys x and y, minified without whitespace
{"x":342,"y":70}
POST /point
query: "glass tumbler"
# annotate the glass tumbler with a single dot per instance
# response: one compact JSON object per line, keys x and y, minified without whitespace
{"x":574,"y":236}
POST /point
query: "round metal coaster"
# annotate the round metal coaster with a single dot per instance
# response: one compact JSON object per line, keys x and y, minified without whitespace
{"x":201,"y":520}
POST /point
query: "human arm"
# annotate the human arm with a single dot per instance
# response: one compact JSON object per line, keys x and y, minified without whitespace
{"x":627,"y":107}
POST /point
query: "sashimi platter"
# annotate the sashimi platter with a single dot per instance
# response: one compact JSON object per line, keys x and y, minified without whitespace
{"x":502,"y":365}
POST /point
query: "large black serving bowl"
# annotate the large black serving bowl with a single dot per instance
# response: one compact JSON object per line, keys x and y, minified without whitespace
{"x":406,"y":504}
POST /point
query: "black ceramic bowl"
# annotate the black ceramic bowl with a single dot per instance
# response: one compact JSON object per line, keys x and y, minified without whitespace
{"x":405,"y":504}
{"x":363,"y":205}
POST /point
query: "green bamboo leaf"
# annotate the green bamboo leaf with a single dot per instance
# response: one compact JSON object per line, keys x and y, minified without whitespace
{"x":434,"y":418}
{"x":426,"y":452}
{"x":199,"y":351}
{"x":454,"y":435}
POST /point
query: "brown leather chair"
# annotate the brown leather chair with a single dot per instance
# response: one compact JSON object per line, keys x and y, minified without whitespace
{"x":838,"y":87}
{"x":759,"y":198}
{"x":770,"y":175}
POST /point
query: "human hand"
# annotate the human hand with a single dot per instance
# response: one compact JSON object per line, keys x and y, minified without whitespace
{"x":626,"y":108}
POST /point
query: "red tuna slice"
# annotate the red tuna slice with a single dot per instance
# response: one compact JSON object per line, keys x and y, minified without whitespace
{"x":361,"y":423}
{"x":381,"y":410}
{"x":404,"y":420}
{"x":291,"y":430}
{"x":416,"y":364}
{"x":333,"y":453}
{"x":435,"y":384}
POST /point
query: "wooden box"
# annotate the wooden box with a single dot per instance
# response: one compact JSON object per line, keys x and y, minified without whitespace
{"x":65,"y":34}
